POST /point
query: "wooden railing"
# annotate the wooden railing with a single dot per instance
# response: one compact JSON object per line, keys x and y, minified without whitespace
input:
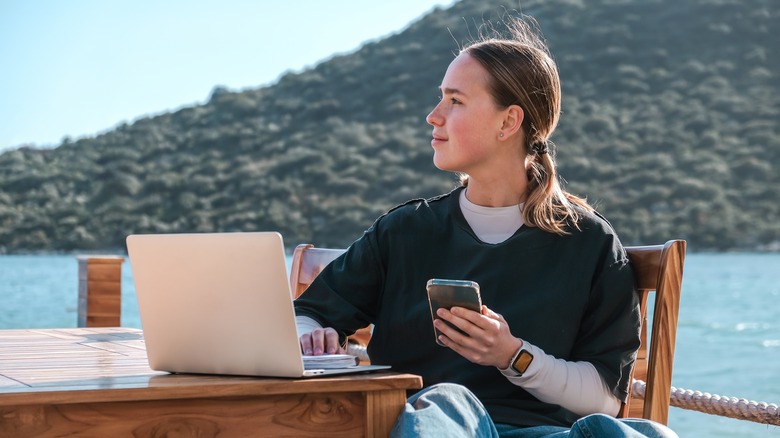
{"x":100,"y":291}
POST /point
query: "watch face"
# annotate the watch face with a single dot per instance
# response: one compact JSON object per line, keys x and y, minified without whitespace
{"x":522,"y":361}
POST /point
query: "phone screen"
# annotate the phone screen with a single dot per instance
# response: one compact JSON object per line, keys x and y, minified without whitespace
{"x":451,"y":293}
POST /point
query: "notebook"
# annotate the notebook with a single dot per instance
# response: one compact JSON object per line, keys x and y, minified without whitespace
{"x":219,"y":303}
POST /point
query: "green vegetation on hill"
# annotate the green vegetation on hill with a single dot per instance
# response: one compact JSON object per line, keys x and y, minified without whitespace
{"x":670,"y":128}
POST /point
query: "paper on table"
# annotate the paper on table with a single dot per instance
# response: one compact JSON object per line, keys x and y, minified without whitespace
{"x":329,"y":361}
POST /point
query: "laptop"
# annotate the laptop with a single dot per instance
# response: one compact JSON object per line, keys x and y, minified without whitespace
{"x":219,"y":303}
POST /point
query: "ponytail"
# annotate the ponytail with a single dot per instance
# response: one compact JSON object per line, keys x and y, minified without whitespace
{"x":547,"y":205}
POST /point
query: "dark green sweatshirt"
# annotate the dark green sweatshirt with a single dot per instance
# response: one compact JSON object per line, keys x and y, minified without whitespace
{"x":571,"y":295}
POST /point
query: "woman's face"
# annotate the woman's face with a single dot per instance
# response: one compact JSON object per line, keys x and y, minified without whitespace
{"x":466,"y":122}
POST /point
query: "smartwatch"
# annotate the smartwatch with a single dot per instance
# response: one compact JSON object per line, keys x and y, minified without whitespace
{"x":521,"y":361}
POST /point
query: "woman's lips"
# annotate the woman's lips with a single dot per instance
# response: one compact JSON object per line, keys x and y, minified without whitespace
{"x":437,"y":140}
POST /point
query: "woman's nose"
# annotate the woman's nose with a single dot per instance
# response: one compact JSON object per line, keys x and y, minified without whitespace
{"x":433,"y":117}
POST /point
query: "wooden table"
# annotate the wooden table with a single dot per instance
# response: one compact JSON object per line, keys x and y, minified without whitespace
{"x":97,"y":382}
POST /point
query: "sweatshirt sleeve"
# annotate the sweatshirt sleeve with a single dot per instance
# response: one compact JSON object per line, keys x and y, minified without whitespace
{"x":346,"y":294}
{"x":609,"y":331}
{"x":575,"y":386}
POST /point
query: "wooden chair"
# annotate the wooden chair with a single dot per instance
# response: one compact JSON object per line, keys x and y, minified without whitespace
{"x":657,"y":268}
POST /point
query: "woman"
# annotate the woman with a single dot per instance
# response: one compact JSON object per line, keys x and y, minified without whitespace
{"x":559,"y":327}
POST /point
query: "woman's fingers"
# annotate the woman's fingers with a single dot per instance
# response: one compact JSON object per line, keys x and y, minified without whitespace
{"x":462,"y":323}
{"x":487,"y":339}
{"x":320,"y":341}
{"x":332,"y":345}
{"x":469,"y":320}
{"x":306,"y":344}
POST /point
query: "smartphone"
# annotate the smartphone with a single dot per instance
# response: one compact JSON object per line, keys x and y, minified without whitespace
{"x":451,"y":293}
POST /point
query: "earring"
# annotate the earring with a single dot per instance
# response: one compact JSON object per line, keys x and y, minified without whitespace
{"x":501,"y":134}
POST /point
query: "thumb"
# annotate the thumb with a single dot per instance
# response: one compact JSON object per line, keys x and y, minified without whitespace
{"x":491,"y":314}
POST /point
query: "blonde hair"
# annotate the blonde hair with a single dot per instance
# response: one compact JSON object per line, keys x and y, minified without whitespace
{"x":522,"y":72}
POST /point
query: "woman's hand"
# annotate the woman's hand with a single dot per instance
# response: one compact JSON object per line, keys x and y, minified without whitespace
{"x":321,"y":341}
{"x":489,"y":341}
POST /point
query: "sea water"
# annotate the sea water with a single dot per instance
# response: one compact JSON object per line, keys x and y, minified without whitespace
{"x":728,"y":339}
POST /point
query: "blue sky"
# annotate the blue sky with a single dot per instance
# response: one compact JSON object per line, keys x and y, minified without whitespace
{"x":79,"y":67}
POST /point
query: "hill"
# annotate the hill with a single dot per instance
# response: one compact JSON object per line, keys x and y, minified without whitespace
{"x":669,"y":128}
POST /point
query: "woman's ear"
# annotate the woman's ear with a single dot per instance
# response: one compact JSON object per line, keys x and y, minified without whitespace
{"x":513,"y":121}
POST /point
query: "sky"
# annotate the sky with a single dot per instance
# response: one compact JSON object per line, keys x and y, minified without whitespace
{"x":76,"y":68}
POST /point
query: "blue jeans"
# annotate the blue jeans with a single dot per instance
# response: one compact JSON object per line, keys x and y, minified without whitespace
{"x":450,"y":410}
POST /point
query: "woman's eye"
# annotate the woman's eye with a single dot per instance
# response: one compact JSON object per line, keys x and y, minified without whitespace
{"x":452,"y":100}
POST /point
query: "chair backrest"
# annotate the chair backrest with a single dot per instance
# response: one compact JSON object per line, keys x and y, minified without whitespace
{"x":307,"y":263}
{"x":657,"y":268}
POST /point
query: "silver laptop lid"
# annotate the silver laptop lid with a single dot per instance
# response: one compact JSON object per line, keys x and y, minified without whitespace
{"x":216,"y":303}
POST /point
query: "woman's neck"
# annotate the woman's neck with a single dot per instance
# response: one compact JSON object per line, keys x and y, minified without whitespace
{"x":501,"y":192}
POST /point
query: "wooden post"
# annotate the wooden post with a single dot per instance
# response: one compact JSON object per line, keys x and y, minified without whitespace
{"x":100,"y":291}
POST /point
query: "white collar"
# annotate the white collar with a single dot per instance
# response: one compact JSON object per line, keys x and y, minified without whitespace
{"x":491,"y":224}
